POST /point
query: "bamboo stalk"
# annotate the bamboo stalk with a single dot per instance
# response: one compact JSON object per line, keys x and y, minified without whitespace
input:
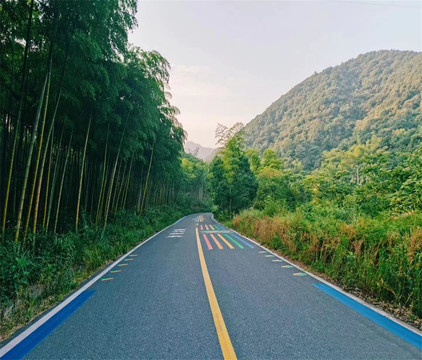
{"x":31,"y":149}
{"x":103,"y":181}
{"x":111,"y":184}
{"x":40,"y":177}
{"x":82,"y":175}
{"x":122,"y":182}
{"x":127,"y":184}
{"x":34,"y":182}
{"x":146,"y":182}
{"x":54,"y":181}
{"x":61,"y":184}
{"x":18,"y":120}
{"x":48,"y":183}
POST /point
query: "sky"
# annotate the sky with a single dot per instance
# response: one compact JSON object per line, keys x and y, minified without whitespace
{"x":231,"y":59}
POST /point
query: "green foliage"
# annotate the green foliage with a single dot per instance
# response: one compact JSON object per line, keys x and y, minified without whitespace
{"x":231,"y":182}
{"x":378,"y":93}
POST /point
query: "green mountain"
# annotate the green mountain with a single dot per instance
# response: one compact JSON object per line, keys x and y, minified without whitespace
{"x":378,"y":93}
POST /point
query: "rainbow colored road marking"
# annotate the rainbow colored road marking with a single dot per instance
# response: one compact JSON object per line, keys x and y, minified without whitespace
{"x":226,"y":242}
{"x":216,"y":242}
{"x":243,"y":240}
{"x":217,"y":233}
{"x":207,"y":242}
{"x":233,"y":240}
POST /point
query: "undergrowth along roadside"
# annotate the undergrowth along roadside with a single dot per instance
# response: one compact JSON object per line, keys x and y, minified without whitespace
{"x":35,"y":276}
{"x":382,"y":257}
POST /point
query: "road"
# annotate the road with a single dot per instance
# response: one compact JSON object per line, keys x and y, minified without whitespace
{"x":198,"y":290}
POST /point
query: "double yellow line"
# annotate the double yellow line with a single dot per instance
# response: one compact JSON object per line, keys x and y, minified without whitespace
{"x":220,"y":326}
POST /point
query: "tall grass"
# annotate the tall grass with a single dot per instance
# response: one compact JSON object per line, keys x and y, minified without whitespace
{"x":382,"y":256}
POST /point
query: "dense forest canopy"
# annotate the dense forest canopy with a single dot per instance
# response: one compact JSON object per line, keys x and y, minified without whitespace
{"x":378,"y":93}
{"x":86,"y":122}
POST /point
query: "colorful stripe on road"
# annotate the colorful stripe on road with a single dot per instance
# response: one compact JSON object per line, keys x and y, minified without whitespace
{"x":227,"y":237}
{"x":207,"y":242}
{"x":217,"y":242}
{"x":234,"y":241}
{"x":226,"y":241}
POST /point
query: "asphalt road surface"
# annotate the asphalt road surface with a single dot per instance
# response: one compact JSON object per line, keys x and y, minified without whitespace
{"x":200,"y":291}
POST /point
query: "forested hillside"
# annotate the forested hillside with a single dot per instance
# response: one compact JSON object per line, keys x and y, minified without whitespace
{"x":378,"y":93}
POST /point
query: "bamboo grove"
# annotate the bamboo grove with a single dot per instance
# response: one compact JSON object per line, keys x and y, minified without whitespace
{"x":87,"y":128}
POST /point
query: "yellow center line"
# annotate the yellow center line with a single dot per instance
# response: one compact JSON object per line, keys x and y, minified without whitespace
{"x":227,"y":243}
{"x":220,"y":326}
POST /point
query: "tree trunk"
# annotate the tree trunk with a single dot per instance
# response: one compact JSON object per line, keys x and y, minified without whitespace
{"x":147,"y":179}
{"x":31,"y":149}
{"x":111,"y":184}
{"x":48,"y":183}
{"x":53,"y":185}
{"x":34,"y":182}
{"x":40,"y":177}
{"x":18,"y":120}
{"x":127,"y":184}
{"x":82,"y":175}
{"x":61,"y":184}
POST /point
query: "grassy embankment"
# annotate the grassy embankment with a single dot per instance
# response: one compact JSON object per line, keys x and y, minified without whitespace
{"x":380,"y":256}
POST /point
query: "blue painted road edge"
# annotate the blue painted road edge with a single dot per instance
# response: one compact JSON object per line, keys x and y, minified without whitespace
{"x":30,"y":342}
{"x":395,"y":328}
{"x":242,"y":240}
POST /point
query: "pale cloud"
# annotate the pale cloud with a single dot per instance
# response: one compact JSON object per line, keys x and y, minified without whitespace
{"x":197,"y":81}
{"x":205,"y":99}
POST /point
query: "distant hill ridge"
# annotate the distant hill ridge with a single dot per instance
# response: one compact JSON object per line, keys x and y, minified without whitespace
{"x":204,"y":153}
{"x":377,"y":93}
